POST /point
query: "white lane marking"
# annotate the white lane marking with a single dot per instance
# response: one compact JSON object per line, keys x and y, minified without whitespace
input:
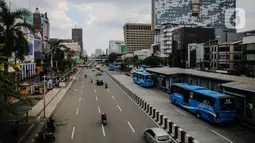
{"x":108,"y":89}
{"x":119,"y":108}
{"x":95,"y":91}
{"x":96,"y":98}
{"x":130,"y":126}
{"x":158,"y":98}
{"x":222,"y":136}
{"x":103,"y":130}
{"x":77,"y":111}
{"x":81,"y":92}
{"x":180,"y":112}
{"x":82,"y":86}
{"x":75,"y":89}
{"x":139,"y":107}
{"x":113,"y":98}
{"x":134,"y":102}
{"x":98,"y":109}
{"x":80,"y":99}
{"x":73,"y":133}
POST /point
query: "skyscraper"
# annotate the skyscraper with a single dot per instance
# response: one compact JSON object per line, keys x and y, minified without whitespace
{"x":77,"y":36}
{"x":137,"y":36}
{"x":207,"y":12}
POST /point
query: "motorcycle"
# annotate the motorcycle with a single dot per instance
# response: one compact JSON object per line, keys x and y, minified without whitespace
{"x":49,"y":137}
{"x":91,"y":81}
{"x":104,"y":122}
{"x":85,"y":76}
{"x":106,"y":85}
{"x":51,"y":125}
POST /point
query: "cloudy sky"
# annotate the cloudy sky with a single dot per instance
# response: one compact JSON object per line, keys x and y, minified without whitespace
{"x":102,"y":20}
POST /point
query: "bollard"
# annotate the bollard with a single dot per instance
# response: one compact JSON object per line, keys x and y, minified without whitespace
{"x":170,"y":125}
{"x":173,"y":130}
{"x":165,"y":123}
{"x":153,"y":113}
{"x":180,"y":136}
{"x":148,"y":108}
{"x":157,"y":116}
{"x":145,"y":106}
{"x":150,"y":113}
{"x":188,"y":138}
{"x":160,"y":119}
{"x":176,"y":128}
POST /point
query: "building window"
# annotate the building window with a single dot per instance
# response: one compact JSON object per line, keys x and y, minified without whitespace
{"x":250,"y":57}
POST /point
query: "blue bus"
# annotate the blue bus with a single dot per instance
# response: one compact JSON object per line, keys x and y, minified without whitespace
{"x":143,"y":79}
{"x":207,"y":104}
{"x":111,"y":68}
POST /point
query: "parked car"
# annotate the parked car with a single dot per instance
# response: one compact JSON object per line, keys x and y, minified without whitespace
{"x":100,"y":81}
{"x":157,"y":135}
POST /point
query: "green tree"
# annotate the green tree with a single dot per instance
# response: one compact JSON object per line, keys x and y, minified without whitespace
{"x":113,"y":57}
{"x":57,"y":51}
{"x":152,"y":61}
{"x":12,"y":30}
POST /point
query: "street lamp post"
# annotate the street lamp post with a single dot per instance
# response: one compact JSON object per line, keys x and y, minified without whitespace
{"x":44,"y":88}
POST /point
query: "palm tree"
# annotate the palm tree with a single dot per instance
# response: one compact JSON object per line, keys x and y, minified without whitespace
{"x":57,"y":51}
{"x":12,"y":31}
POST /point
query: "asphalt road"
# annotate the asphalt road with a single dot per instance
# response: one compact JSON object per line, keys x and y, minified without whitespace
{"x":78,"y":116}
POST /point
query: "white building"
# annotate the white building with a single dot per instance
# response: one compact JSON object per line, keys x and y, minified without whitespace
{"x":115,"y":46}
{"x":74,"y":46}
{"x":144,"y":53}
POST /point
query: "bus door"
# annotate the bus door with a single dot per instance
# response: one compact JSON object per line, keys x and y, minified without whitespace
{"x":186,"y":95}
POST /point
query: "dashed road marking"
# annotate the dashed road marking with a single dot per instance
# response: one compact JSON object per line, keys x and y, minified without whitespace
{"x":130,"y":126}
{"x":119,"y":108}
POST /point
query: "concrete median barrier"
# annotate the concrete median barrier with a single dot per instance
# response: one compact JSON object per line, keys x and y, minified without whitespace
{"x":181,"y":136}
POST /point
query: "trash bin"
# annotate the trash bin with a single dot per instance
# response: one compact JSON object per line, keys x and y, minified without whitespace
{"x":41,"y":90}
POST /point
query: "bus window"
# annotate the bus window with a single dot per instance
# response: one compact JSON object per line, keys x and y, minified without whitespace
{"x":204,"y":99}
{"x":227,"y":104}
{"x":149,"y":78}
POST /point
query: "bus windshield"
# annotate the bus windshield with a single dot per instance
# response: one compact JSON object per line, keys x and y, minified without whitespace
{"x":148,"y":77}
{"x":227,"y":104}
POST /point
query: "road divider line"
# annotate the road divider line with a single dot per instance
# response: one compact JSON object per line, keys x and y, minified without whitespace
{"x":130,"y":126}
{"x":180,"y":112}
{"x":113,"y":98}
{"x":158,"y":98}
{"x":222,"y":136}
{"x":108,"y":89}
{"x":98,"y":109}
{"x":82,"y":86}
{"x":103,"y":130}
{"x":73,"y":133}
{"x":80,"y":99}
{"x":119,"y":108}
{"x":77,"y":111}
{"x":94,"y":86}
{"x":95,"y":91}
{"x":96,"y":98}
{"x":81,"y":92}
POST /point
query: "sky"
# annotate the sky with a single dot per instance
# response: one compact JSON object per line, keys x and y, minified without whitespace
{"x":103,"y":20}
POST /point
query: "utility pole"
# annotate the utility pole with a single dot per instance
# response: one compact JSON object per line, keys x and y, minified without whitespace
{"x":44,"y":89}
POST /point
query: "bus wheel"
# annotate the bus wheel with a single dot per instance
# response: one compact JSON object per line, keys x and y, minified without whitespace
{"x":175,"y":102}
{"x":198,"y":114}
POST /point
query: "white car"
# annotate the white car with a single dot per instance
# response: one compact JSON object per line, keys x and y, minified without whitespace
{"x":93,"y":69}
{"x":157,"y":135}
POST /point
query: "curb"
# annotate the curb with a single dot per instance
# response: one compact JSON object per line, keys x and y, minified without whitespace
{"x":173,"y":130}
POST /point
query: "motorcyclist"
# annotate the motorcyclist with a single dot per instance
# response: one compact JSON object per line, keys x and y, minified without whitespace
{"x":85,"y":75}
{"x":103,"y":117}
{"x":51,"y":123}
{"x":106,"y":84}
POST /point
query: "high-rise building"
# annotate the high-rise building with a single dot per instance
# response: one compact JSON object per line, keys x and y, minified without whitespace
{"x":137,"y":36}
{"x":98,"y":52}
{"x":115,"y":46}
{"x":169,"y":15}
{"x":77,"y":36}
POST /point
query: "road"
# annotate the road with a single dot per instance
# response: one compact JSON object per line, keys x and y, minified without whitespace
{"x":78,"y":116}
